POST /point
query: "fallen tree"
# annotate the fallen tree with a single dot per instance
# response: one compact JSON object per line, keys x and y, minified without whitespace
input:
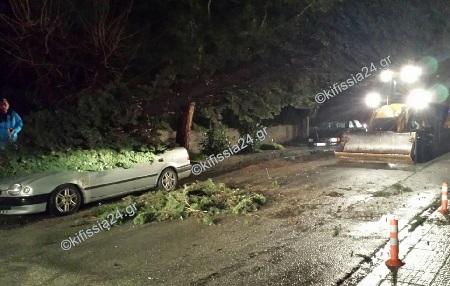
{"x":20,"y":162}
{"x":204,"y":201}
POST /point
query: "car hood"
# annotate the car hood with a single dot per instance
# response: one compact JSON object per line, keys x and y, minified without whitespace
{"x":26,"y":179}
{"x":330,"y":133}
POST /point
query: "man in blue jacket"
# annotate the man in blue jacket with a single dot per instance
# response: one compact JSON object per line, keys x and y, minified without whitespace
{"x":10,"y":124}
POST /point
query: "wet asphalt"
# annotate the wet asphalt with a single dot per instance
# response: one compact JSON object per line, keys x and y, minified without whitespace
{"x":325,"y":225}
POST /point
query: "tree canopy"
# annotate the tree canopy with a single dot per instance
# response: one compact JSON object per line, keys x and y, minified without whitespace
{"x":247,"y":59}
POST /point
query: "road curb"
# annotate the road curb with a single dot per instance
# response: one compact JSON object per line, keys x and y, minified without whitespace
{"x":244,"y":160}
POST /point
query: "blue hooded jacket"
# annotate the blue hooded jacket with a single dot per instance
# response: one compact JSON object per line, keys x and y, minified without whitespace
{"x":10,"y":120}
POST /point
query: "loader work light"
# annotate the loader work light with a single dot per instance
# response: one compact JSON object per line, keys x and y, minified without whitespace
{"x":386,"y":76}
{"x":410,"y":74}
{"x":373,"y":100}
{"x":419,"y":98}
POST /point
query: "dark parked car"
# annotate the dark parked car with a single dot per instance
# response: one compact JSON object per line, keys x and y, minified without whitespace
{"x":328,"y":135}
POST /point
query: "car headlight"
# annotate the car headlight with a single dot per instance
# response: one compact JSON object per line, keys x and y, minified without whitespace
{"x":335,"y":139}
{"x":310,"y":140}
{"x":15,"y":189}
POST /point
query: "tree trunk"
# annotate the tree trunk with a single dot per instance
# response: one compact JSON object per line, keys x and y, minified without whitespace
{"x":184,"y":128}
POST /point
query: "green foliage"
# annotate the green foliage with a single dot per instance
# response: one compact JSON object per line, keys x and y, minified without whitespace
{"x":337,"y":230}
{"x":400,"y":188}
{"x":204,"y":200}
{"x":216,"y":140}
{"x":197,"y":156}
{"x":251,"y":61}
{"x":271,"y":146}
{"x":22,"y":162}
{"x":249,"y":127}
{"x":382,"y":193}
{"x":275,"y":184}
{"x":249,"y":204}
{"x":109,"y":118}
{"x":441,"y":220}
{"x":417,"y":221}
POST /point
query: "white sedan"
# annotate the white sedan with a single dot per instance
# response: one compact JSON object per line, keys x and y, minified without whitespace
{"x":62,"y":192}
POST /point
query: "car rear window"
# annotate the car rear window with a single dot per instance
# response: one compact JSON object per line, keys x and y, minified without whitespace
{"x":332,"y":125}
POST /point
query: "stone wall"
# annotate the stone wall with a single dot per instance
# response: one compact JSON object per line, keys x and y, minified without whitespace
{"x":278,"y":134}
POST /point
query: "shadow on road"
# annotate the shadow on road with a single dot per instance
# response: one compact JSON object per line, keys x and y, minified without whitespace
{"x":8,"y":222}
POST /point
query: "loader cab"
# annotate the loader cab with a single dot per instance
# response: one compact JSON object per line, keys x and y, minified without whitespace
{"x":384,"y":124}
{"x":390,"y":118}
{"x":407,"y":120}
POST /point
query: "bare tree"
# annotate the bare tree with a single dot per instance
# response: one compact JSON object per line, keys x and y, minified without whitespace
{"x":68,"y":45}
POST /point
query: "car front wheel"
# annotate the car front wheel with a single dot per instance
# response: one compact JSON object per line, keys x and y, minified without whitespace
{"x":65,"y":200}
{"x":168,"y":180}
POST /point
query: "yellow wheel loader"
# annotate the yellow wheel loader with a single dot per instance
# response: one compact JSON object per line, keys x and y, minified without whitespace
{"x":399,"y":133}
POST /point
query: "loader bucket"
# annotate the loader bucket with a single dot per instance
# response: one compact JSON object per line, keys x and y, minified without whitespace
{"x":382,"y":146}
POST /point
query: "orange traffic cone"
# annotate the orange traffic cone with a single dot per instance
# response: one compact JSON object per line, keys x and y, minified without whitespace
{"x":444,"y":206}
{"x":394,"y":261}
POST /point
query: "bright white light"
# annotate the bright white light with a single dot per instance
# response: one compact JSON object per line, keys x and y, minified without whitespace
{"x":419,"y":98}
{"x":410,"y":74}
{"x":386,"y":76}
{"x":373,"y":99}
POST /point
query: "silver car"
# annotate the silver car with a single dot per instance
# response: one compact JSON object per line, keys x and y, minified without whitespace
{"x":62,"y":192}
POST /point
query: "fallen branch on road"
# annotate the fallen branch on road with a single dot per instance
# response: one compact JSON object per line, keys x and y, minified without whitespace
{"x":203,"y":200}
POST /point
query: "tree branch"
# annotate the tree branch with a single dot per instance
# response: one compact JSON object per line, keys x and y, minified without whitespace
{"x":265,"y":14}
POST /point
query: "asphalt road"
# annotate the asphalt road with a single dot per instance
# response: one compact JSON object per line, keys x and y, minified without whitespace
{"x":322,"y":221}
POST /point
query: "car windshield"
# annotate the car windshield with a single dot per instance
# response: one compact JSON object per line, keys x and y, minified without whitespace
{"x":357,"y":124}
{"x":332,"y":125}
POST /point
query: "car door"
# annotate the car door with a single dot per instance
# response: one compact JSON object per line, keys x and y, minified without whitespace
{"x":147,"y":173}
{"x":110,"y":183}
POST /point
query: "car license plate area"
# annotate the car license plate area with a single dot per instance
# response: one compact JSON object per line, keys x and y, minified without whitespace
{"x":3,"y":208}
{"x":321,"y":144}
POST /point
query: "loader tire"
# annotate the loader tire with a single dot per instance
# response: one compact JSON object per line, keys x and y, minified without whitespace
{"x":417,"y":153}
